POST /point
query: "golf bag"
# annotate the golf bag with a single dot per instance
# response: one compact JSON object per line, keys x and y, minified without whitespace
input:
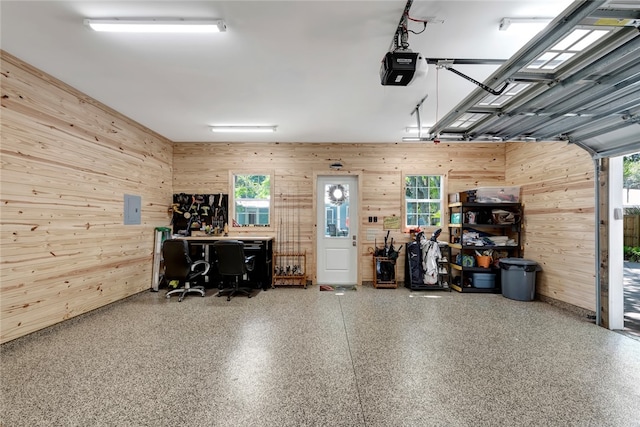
{"x":415,"y":262}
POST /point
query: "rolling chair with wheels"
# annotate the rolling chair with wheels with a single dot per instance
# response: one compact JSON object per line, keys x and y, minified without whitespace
{"x":231,"y":261}
{"x":179,"y":266}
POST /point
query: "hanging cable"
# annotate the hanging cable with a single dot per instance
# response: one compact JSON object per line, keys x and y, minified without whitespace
{"x":423,"y":21}
{"x":423,"y":30}
{"x":400,"y":37}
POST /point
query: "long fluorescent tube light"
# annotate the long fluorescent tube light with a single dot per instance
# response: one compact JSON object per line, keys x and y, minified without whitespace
{"x":243,"y":129}
{"x":415,"y":139}
{"x":414,"y":129}
{"x":506,"y":23}
{"x":156,"y":25}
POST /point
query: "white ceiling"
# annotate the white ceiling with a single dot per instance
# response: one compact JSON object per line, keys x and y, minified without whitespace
{"x":309,"y":67}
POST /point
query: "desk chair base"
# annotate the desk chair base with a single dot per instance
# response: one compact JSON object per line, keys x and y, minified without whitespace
{"x":231,"y":292}
{"x":184,"y":291}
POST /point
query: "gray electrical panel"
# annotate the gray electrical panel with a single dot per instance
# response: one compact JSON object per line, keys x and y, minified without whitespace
{"x":132,"y":210}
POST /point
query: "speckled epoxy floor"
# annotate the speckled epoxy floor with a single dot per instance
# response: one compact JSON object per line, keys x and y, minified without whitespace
{"x":295,"y":357}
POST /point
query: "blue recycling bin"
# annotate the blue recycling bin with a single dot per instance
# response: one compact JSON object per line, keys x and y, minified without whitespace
{"x":518,"y":278}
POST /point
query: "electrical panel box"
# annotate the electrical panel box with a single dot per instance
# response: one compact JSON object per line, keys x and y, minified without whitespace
{"x":132,"y":210}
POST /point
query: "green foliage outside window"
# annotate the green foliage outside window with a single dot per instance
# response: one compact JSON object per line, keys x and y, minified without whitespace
{"x":252,"y":187}
{"x":423,"y":200}
{"x":631,"y":253}
{"x":252,"y":195}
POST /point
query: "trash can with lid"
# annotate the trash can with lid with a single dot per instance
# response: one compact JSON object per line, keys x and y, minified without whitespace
{"x":518,"y":278}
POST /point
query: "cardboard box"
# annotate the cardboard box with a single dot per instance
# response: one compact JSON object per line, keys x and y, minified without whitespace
{"x":464,"y":196}
{"x":457,"y":197}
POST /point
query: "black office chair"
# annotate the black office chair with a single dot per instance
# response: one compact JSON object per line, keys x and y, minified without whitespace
{"x":179,"y":266}
{"x":231,"y":261}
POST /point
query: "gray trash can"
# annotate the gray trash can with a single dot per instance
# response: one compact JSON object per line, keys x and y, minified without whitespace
{"x":518,"y":278}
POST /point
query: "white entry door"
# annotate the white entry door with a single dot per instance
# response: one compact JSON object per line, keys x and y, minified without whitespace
{"x":337,"y":219}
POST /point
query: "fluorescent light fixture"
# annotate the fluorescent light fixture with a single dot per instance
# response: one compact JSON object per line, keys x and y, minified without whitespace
{"x":414,"y":129}
{"x":243,"y":129}
{"x":156,"y":25}
{"x":415,"y":139}
{"x":506,"y":23}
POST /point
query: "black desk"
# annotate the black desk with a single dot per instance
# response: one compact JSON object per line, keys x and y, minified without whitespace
{"x":261,"y":247}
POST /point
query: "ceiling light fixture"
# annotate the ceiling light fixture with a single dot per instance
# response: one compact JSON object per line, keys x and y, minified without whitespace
{"x":506,"y":23}
{"x":156,"y":25}
{"x":416,"y":139}
{"x":243,"y":129}
{"x":414,"y":129}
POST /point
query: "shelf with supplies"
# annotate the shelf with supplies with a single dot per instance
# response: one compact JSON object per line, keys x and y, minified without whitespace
{"x":480,"y":234}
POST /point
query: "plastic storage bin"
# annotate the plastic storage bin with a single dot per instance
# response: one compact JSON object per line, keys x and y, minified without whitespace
{"x":498,"y":194}
{"x":484,"y":280}
{"x":518,"y":277}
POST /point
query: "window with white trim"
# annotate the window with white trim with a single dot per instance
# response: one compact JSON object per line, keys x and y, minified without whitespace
{"x":251,"y":200}
{"x":423,"y":201}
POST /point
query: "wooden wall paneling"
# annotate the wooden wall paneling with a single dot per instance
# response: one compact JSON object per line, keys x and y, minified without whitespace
{"x":198,"y":166}
{"x":67,"y":162}
{"x":557,"y":191}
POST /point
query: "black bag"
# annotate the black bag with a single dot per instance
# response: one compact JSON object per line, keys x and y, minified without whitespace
{"x":415,"y":263}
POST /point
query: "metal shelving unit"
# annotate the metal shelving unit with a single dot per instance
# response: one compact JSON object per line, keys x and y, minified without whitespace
{"x":462,"y":274}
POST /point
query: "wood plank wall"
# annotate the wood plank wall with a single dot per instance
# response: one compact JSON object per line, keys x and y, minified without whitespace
{"x":67,"y":162}
{"x":204,"y":167}
{"x":556,"y":180}
{"x":557,"y":189}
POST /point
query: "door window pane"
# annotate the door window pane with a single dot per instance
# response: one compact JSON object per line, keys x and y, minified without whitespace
{"x":336,"y":210}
